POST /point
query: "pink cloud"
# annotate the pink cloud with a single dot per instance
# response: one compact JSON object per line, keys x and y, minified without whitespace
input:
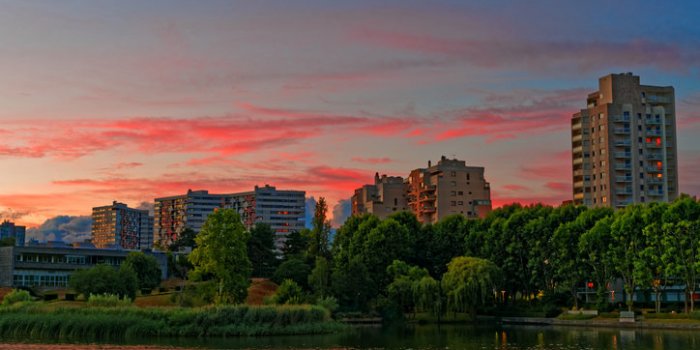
{"x":513,"y":187}
{"x":382,"y":160}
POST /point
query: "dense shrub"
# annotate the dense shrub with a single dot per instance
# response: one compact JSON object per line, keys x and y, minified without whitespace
{"x":16,"y":296}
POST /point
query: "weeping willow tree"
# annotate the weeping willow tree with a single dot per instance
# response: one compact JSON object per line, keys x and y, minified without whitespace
{"x":469,"y":283}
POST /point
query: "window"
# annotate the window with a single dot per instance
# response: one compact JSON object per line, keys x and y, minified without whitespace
{"x":460,"y":193}
{"x":453,"y":193}
{"x":453,"y":173}
{"x":604,"y":199}
{"x":641,"y":175}
{"x":453,"y":183}
{"x":641,"y":187}
{"x":642,"y":199}
{"x":467,"y":176}
{"x":626,"y":113}
{"x":470,"y":192}
{"x":453,"y":203}
{"x":396,"y":202}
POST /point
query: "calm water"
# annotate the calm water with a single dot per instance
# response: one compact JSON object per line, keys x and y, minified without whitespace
{"x":445,"y":337}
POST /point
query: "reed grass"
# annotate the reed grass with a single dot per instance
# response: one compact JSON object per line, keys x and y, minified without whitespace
{"x":114,"y":323}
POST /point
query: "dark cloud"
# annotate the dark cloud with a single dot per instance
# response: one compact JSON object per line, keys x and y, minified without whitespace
{"x":341,"y":212}
{"x":64,"y":228}
{"x":12,"y":215}
{"x":146,"y":206}
{"x":310,"y":209}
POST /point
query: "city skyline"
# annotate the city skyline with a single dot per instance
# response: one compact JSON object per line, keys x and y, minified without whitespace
{"x":134,"y":101}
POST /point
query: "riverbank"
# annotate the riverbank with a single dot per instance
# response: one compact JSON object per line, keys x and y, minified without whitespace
{"x":599,"y":322}
{"x":101,"y":323}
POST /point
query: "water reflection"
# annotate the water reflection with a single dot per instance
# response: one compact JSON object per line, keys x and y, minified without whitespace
{"x":468,"y":337}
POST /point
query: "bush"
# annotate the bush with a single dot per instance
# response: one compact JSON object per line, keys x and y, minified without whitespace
{"x":108,"y":300}
{"x":289,"y":292}
{"x":104,"y":279}
{"x":328,"y":303}
{"x":16,"y":296}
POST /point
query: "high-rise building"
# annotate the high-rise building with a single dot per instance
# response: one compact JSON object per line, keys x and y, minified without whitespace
{"x":118,"y":226}
{"x":10,"y":230}
{"x":283,"y":210}
{"x":432,"y":193}
{"x":173,"y":214}
{"x":447,"y":188}
{"x":624,"y":144}
{"x":386,"y":196}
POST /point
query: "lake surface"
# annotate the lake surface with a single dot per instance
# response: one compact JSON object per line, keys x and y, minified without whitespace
{"x":484,"y":337}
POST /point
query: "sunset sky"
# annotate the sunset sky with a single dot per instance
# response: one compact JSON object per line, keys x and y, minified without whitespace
{"x":132,"y":100}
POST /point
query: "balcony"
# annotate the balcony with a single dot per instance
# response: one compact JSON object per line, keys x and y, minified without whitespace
{"x":654,"y":156}
{"x":428,"y":198}
{"x":621,"y":119}
{"x":652,"y":121}
{"x":622,"y":143}
{"x":576,"y":138}
{"x":626,"y":191}
{"x":623,"y":203}
{"x":427,"y":209}
{"x":623,"y":166}
{"x":623,"y":179}
{"x":577,"y":149}
{"x":578,"y":195}
{"x":625,"y":155}
{"x":655,"y":193}
{"x":654,"y":181}
{"x":576,"y":126}
{"x":578,"y":184}
{"x":428,"y":188}
{"x":653,"y":169}
{"x":652,"y":145}
{"x":653,"y":133}
{"x":578,"y":161}
{"x":622,"y":131}
{"x":653,"y":99}
{"x":578,"y":172}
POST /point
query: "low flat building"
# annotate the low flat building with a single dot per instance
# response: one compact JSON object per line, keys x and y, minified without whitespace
{"x":51,"y":267}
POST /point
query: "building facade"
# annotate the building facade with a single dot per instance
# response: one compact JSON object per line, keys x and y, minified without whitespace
{"x":283,"y":210}
{"x":51,"y":267}
{"x":386,"y":196}
{"x":624,"y":144}
{"x":118,"y":226}
{"x":10,"y":230}
{"x":447,"y":188}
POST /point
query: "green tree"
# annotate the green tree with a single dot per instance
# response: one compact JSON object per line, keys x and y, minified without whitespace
{"x":446,"y":241}
{"x":294,"y":269}
{"x":470,"y":282}
{"x":650,"y":268}
{"x":105,"y":279}
{"x":146,"y":267}
{"x":261,"y":250}
{"x":319,"y":279}
{"x":319,"y":243}
{"x":681,"y":241}
{"x":595,"y":243}
{"x":626,"y":246}
{"x":296,"y":244}
{"x":186,"y":239}
{"x":221,"y":256}
{"x":568,"y":259}
{"x":353,"y":286}
{"x":403,"y":287}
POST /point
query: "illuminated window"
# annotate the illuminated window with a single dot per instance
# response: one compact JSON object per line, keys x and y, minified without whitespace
{"x":659,"y":176}
{"x":605,"y":199}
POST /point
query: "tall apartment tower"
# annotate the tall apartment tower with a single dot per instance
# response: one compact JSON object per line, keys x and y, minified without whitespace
{"x":171,"y":215}
{"x":10,"y":230}
{"x":283,"y":210}
{"x":447,"y":188}
{"x":624,"y":144}
{"x":386,"y":196}
{"x":118,"y":226}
